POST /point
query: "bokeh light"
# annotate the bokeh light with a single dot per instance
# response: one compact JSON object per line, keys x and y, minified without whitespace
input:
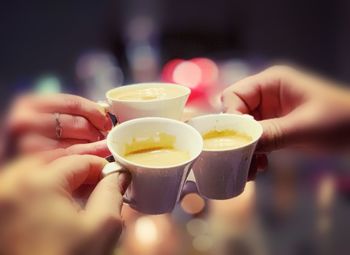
{"x":48,"y":84}
{"x":202,"y":243}
{"x":146,"y":231}
{"x":187,"y":73}
{"x":192,"y":73}
{"x":209,"y":70}
{"x":193,"y":203}
{"x":196,"y":227}
{"x":97,"y":72}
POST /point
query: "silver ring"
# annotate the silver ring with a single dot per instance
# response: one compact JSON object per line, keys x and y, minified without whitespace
{"x":58,"y":128}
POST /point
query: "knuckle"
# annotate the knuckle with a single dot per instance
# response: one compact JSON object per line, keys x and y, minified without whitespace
{"x":72,"y":103}
{"x":23,"y":100}
{"x":280,"y":69}
{"x":274,"y":136}
{"x":112,"y":220}
{"x":74,"y":158}
{"x":60,"y":151}
{"x":111,"y":224}
{"x":224,"y":95}
{"x":80,"y":123}
{"x":71,"y":160}
{"x":228,"y":90}
{"x":227,"y":93}
{"x":84,"y":161}
{"x":53,"y":154}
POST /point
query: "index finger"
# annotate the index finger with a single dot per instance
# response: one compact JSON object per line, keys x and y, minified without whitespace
{"x":243,"y":96}
{"x":265,"y":95}
{"x":74,"y":105}
{"x":96,"y":148}
{"x":72,"y":171}
{"x":99,"y":149}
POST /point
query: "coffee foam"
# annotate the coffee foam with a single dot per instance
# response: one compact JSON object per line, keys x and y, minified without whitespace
{"x":225,"y":139}
{"x":145,"y":94}
{"x":157,"y":141}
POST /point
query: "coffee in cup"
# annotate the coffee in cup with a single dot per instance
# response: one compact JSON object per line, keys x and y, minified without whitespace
{"x":155,"y":92}
{"x":147,"y":100}
{"x":158,"y":157}
{"x":221,"y":170}
{"x":159,"y":153}
{"x":224,"y":139}
{"x":156,"y":151}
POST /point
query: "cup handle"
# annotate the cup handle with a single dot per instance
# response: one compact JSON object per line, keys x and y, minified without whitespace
{"x":114,"y":167}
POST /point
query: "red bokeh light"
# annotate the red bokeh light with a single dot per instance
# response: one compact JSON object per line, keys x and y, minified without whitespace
{"x":209,"y":70}
{"x":187,"y":73}
{"x":197,"y":74}
{"x":168,"y":69}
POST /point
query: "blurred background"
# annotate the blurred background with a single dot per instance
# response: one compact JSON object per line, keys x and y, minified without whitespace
{"x":300,"y":206}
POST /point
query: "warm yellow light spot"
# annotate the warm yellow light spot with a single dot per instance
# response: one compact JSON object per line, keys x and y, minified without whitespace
{"x":192,"y":203}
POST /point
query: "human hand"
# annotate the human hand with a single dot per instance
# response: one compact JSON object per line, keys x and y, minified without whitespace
{"x":33,"y":124}
{"x":294,"y":108}
{"x":38,"y":214}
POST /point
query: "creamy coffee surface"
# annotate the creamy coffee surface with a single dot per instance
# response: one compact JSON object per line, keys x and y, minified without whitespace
{"x":157,"y":151}
{"x":158,"y":157}
{"x":146,"y":94}
{"x":225,"y":139}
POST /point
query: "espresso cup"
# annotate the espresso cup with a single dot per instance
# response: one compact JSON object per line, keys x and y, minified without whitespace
{"x":153,"y":190}
{"x":222,"y":173}
{"x":168,"y":107}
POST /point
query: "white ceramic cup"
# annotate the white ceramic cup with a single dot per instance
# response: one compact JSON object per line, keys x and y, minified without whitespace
{"x":153,"y":190}
{"x":162,"y":107}
{"x":222,"y":174}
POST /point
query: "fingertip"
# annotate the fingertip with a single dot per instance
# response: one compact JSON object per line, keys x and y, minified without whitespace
{"x":107,"y":124}
{"x":101,"y":109}
{"x":99,"y":149}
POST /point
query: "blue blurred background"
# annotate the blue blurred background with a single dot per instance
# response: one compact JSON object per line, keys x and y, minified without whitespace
{"x":300,"y":206}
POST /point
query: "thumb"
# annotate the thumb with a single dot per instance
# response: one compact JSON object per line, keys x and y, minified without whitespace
{"x":107,"y":197}
{"x":299,"y":127}
{"x":103,"y":209}
{"x":278,"y":133}
{"x":102,"y":219}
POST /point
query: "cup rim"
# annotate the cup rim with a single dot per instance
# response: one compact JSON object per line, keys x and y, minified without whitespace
{"x":121,"y":159}
{"x":186,"y":90}
{"x":241,"y":116}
